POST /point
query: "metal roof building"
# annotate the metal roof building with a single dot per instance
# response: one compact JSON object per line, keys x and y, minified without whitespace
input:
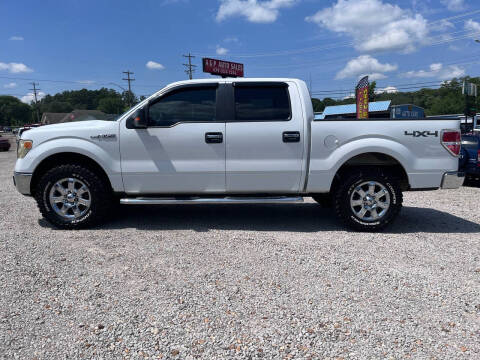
{"x":377,"y":109}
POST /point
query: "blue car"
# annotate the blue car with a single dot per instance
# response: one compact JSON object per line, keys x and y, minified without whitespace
{"x":470,"y":156}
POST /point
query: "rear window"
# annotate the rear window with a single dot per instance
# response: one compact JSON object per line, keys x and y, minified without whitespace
{"x":262,"y":103}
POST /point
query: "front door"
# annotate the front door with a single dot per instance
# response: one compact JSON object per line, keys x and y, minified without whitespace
{"x":265,"y":139}
{"x":182,"y":151}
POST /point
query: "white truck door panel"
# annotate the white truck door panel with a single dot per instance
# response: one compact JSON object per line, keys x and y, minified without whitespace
{"x":182,"y":150}
{"x":264,"y":156}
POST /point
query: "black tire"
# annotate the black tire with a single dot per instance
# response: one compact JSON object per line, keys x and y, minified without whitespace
{"x":100,"y":196}
{"x":343,"y":195}
{"x":324,"y":200}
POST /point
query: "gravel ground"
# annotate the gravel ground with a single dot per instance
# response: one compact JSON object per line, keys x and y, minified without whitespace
{"x":241,"y":282}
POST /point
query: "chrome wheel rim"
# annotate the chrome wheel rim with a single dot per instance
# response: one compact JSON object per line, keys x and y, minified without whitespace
{"x":370,"y":201}
{"x":70,"y":198}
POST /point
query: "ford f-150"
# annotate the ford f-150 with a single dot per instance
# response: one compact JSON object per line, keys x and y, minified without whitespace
{"x":235,"y":141}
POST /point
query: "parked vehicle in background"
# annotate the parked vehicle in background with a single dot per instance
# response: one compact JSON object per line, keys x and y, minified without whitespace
{"x":235,"y":141}
{"x":19,"y":133}
{"x":4,"y":144}
{"x":470,"y":157}
{"x":21,"y":130}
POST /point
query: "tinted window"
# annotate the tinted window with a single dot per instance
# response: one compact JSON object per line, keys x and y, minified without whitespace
{"x":196,"y":104}
{"x":262,"y":103}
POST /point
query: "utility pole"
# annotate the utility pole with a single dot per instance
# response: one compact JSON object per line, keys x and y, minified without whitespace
{"x":129,"y":79}
{"x":35,"y":89}
{"x":190,"y":67}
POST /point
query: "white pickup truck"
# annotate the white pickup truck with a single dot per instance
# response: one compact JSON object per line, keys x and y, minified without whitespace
{"x":235,"y":141}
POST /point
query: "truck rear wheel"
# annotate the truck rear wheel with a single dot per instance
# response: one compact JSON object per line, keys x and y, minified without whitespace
{"x":368,"y":200}
{"x":73,"y":197}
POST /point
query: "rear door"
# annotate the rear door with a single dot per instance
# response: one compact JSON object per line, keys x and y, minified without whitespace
{"x":264,"y":138}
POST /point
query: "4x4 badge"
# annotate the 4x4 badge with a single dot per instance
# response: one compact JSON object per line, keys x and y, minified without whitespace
{"x":425,"y":133}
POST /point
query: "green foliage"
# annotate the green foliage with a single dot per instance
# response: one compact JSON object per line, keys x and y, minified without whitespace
{"x":106,"y":100}
{"x":13,"y":112}
{"x":129,"y":98}
{"x":111,"y":105}
{"x":448,"y":99}
{"x":318,"y":105}
{"x":371,"y":91}
{"x":56,"y":107}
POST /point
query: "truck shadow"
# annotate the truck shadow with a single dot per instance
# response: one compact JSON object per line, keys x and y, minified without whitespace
{"x":308,"y":217}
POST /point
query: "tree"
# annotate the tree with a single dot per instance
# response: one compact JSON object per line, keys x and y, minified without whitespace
{"x":84,"y":99}
{"x":13,"y":112}
{"x":129,"y":98}
{"x":111,"y":105}
{"x":56,"y":107}
{"x":318,"y":105}
{"x":371,"y":91}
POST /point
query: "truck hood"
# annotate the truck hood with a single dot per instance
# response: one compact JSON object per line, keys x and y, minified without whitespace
{"x":78,"y":129}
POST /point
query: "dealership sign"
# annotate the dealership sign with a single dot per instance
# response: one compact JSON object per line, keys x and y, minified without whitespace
{"x":222,"y":68}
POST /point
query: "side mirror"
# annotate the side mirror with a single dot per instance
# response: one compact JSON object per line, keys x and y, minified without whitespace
{"x":138,"y":120}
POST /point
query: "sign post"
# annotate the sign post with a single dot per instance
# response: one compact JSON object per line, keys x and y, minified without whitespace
{"x":361,"y":92}
{"x":222,"y":68}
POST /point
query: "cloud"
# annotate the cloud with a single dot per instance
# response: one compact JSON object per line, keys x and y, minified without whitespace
{"x":255,"y":11}
{"x":365,"y":65}
{"x":30,"y":97}
{"x":86,"y":82}
{"x":387,"y":90}
{"x":152,"y":65}
{"x":471,"y":25}
{"x":437,"y":70}
{"x":231,"y":39}
{"x":10,"y":85}
{"x":454,"y":5}
{"x":16,"y":38}
{"x":15,"y":68}
{"x":374,"y":25}
{"x":221,"y":50}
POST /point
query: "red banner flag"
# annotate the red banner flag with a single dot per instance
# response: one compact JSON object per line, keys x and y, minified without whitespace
{"x":361,"y":92}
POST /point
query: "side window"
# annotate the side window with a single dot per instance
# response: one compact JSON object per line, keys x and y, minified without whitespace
{"x":184,"y":105}
{"x":262,"y":103}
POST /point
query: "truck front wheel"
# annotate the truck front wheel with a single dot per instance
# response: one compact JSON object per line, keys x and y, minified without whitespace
{"x":368,"y":200}
{"x":73,"y":196}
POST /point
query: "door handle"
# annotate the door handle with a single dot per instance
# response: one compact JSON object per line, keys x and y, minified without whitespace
{"x":291,"y":136}
{"x":214,"y":138}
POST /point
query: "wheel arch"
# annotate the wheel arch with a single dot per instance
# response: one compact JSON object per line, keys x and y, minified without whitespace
{"x":376,"y":160}
{"x":67,"y":158}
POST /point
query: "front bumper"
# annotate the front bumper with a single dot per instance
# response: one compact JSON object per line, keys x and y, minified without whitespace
{"x":22,"y":182}
{"x":453,"y":180}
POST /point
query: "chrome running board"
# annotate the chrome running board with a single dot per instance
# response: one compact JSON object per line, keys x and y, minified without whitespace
{"x":199,"y":200}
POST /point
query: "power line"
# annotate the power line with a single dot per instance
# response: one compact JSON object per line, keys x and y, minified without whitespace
{"x":456,"y":16}
{"x":399,"y":85}
{"x":336,"y":45}
{"x":190,"y":68}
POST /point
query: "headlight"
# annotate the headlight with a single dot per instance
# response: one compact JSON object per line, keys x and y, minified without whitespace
{"x":24,"y":146}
